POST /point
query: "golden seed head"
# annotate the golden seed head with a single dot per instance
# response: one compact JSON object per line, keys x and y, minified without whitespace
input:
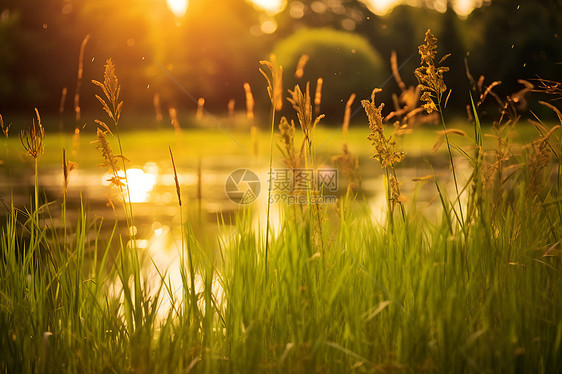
{"x":274,"y":83}
{"x":111,"y":90}
{"x":249,"y":101}
{"x":318,"y":92}
{"x":32,"y":138}
{"x":347,"y":113}
{"x":67,"y":167}
{"x":5,"y":128}
{"x":287,"y":147}
{"x":430,"y":75}
{"x":300,"y":66}
{"x":109,"y":159}
{"x":302,"y":105}
{"x":385,"y":148}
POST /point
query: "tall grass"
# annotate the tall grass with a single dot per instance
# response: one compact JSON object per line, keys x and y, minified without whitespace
{"x":417,"y":298}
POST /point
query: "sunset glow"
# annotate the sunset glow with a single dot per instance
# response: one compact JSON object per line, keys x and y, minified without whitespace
{"x":178,"y":7}
{"x":270,"y":6}
{"x":462,"y":7}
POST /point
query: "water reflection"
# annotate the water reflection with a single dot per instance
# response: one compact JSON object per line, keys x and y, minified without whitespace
{"x":140,"y":184}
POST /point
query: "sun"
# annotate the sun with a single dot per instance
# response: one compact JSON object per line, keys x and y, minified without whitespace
{"x":270,"y":6}
{"x":178,"y":7}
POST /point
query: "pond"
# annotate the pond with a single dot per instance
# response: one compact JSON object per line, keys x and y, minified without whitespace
{"x":207,"y":204}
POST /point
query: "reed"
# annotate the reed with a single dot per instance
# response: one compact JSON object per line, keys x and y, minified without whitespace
{"x":385,"y":153}
{"x":172,"y":111}
{"x":249,"y":102}
{"x":32,"y":140}
{"x":230,"y":106}
{"x":80,"y":74}
{"x":301,"y":64}
{"x":200,"y":109}
{"x":432,"y":84}
{"x":275,"y":91}
{"x":185,"y":249}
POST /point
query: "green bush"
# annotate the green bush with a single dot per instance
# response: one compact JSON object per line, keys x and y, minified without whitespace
{"x":346,"y":62}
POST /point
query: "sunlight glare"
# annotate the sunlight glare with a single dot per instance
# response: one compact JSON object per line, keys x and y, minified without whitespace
{"x":462,"y":7}
{"x":270,"y":6}
{"x":178,"y":7}
{"x":140,"y":184}
{"x":381,"y":6}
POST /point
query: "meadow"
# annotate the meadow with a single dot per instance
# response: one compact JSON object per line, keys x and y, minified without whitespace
{"x":313,"y":288}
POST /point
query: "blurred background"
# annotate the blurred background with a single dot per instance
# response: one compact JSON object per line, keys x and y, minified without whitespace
{"x":211,"y":48}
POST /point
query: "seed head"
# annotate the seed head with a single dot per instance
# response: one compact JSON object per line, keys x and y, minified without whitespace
{"x":429,"y":75}
{"x":274,"y":83}
{"x":385,"y":148}
{"x":32,"y":138}
{"x":111,"y":90}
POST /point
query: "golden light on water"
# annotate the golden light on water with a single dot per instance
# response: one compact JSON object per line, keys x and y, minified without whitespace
{"x":140,"y":184}
{"x":178,"y":7}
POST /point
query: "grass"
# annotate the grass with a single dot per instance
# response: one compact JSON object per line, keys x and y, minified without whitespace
{"x":320,"y":294}
{"x":418,"y":299}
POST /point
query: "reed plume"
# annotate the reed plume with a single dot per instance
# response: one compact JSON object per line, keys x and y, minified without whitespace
{"x":274,"y":82}
{"x":32,"y":138}
{"x":318,"y":96}
{"x":174,"y":119}
{"x":299,"y":72}
{"x":384,"y":151}
{"x":249,"y":102}
{"x":347,"y":114}
{"x":230,"y":106}
{"x":302,"y":105}
{"x":112,"y":105}
{"x":176,"y":179}
{"x":109,"y":159}
{"x":32,"y":141}
{"x":432,"y":84}
{"x":384,"y":147}
{"x":67,"y":167}
{"x":5,"y":127}
{"x":80,"y":73}
{"x":430,"y":75}
{"x":200,"y":109}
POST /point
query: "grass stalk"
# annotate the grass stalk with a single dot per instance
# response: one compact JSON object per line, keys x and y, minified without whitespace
{"x":269,"y":187}
{"x":451,"y":161}
{"x":185,"y":248}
